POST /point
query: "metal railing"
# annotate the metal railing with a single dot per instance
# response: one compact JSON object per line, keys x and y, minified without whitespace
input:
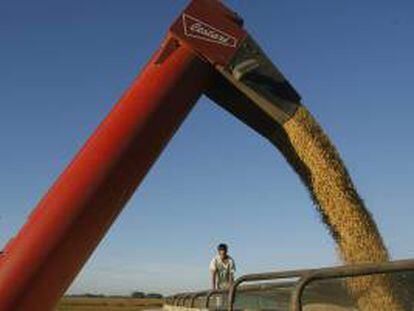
{"x":189,"y":299}
{"x":302,"y":279}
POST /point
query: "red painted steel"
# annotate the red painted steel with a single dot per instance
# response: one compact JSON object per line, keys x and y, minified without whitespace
{"x":39,"y":264}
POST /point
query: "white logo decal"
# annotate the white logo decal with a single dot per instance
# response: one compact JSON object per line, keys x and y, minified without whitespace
{"x":196,"y":28}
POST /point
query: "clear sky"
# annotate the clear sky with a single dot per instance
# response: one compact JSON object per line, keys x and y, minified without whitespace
{"x":63,"y":64}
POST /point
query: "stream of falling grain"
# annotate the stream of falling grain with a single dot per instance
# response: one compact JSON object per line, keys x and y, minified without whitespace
{"x":315,"y":159}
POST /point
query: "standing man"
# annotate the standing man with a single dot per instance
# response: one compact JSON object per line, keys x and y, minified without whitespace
{"x":222,"y":268}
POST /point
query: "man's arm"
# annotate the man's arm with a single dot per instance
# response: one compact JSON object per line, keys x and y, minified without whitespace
{"x":232,"y":268}
{"x":213,"y":270}
{"x":214,"y":279}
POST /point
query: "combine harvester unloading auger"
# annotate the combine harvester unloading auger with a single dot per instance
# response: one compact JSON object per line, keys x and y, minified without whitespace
{"x":206,"y":51}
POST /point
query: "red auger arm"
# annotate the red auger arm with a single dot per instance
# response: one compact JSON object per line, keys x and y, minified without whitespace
{"x":205,"y":51}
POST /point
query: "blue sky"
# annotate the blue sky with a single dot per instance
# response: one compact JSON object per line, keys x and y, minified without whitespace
{"x":63,"y":64}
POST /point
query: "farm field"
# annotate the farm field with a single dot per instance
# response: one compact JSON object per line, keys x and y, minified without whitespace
{"x":108,"y":304}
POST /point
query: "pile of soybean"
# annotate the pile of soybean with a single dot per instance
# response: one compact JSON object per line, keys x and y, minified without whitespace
{"x":309,"y":151}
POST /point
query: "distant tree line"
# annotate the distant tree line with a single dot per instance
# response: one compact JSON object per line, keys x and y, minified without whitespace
{"x":144,"y":295}
{"x":133,"y":295}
